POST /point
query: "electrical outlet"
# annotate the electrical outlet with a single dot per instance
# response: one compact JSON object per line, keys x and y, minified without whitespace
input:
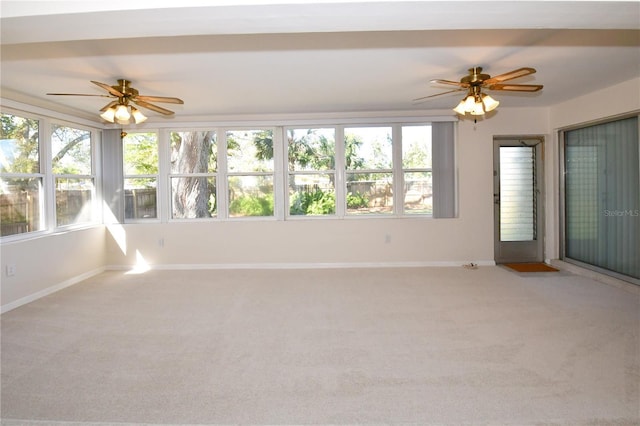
{"x":387,"y":238}
{"x":11,"y":270}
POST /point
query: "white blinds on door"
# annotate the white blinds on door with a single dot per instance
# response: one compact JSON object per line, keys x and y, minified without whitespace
{"x":517,"y":193}
{"x":602,"y":196}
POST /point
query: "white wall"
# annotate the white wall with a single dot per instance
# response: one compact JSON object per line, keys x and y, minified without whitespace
{"x":475,"y":156}
{"x":51,"y":262}
{"x":618,"y":99}
{"x":250,"y":243}
{"x":326,"y":242}
{"x":48,"y":263}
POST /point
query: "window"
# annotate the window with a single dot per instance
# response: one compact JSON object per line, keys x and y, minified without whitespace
{"x":193,"y":174}
{"x":311,"y":171}
{"x":602,"y":196}
{"x":416,"y":169}
{"x":73,"y":175}
{"x":140,"y":152}
{"x":297,"y":172}
{"x":21,"y":193}
{"x":288,"y":172}
{"x":369,"y":172}
{"x":250,"y":172}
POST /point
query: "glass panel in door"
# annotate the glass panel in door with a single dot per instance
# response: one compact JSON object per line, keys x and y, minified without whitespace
{"x":517,"y":195}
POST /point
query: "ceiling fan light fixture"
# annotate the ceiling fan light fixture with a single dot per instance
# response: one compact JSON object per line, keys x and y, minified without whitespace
{"x":122,"y":114}
{"x":469,"y":103}
{"x":478,"y":107}
{"x":137,"y":115}
{"x":489,"y":103}
{"x":119,"y":110}
{"x":465,"y":105}
{"x":109,"y":115}
{"x":460,"y":109}
{"x":476,"y":104}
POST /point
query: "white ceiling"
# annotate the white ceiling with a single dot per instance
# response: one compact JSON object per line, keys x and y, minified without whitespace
{"x":226,"y":58}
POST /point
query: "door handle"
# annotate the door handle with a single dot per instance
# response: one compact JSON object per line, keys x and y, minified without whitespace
{"x":496,"y":199}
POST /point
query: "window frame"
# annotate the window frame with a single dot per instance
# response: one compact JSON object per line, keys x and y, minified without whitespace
{"x":288,"y":174}
{"x":396,"y":144}
{"x":47,"y":203}
{"x":562,"y":196}
{"x":281,"y":172}
{"x":93,"y":176}
{"x":40,"y":175}
{"x":157,"y":176}
{"x":166,"y":149}
{"x":404,"y":171}
{"x":275,"y":174}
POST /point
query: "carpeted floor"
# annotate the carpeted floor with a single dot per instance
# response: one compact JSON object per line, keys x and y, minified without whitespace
{"x":428,"y":346}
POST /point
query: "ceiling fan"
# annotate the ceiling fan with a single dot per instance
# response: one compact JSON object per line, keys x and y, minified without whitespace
{"x":119,"y":110}
{"x":476,"y":102}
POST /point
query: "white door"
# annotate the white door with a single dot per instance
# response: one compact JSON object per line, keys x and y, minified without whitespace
{"x":518,"y":208}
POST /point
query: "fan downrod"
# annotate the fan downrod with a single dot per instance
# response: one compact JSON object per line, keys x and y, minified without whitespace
{"x":124,"y":87}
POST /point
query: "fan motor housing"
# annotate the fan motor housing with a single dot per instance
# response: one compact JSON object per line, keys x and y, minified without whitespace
{"x":124,"y":87}
{"x":475,"y":77}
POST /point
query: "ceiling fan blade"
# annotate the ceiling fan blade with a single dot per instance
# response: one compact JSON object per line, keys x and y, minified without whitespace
{"x":77,"y":94}
{"x":108,"y":88}
{"x":516,"y":87}
{"x":109,"y":105}
{"x":165,"y":99}
{"x":424,"y":98}
{"x":152,"y":107}
{"x":451,"y":83}
{"x":520,"y":72}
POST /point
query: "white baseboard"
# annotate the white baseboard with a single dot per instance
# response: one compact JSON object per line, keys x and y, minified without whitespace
{"x":49,"y":290}
{"x":329,"y":265}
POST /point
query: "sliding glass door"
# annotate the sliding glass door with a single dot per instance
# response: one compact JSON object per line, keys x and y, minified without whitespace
{"x":602,"y":196}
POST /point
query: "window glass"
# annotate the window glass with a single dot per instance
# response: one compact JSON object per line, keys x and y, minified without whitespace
{"x":193,"y":152}
{"x":250,"y":151}
{"x":417,"y":172}
{"x":602,"y":196}
{"x":250,"y":196}
{"x":311,"y":163}
{"x":416,"y":147}
{"x":71,"y":151}
{"x":20,"y":205}
{"x":193,"y":174}
{"x":311,"y":149}
{"x":250,"y":177}
{"x":140,"y":151}
{"x":19,"y":145}
{"x":72,"y":168}
{"x":368,"y":160}
{"x":74,"y":201}
{"x":21,"y":185}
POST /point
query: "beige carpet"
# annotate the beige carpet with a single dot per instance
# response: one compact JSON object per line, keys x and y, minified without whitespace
{"x":423,"y":346}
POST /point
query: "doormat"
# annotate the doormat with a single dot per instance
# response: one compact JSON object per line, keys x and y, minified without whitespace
{"x":531,"y":267}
